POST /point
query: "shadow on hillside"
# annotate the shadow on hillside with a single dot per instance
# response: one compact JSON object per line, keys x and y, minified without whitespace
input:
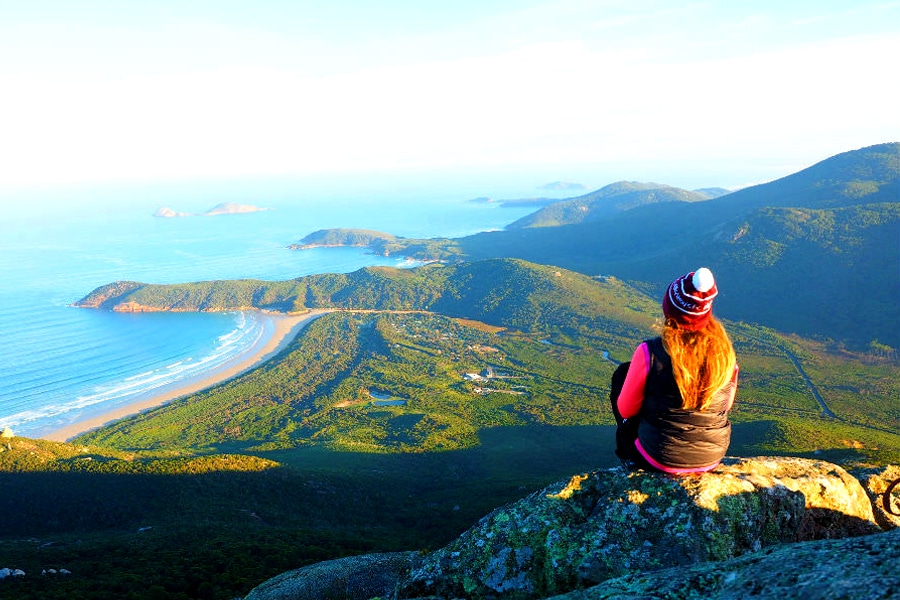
{"x":313,"y":487}
{"x":434,"y":493}
{"x":238,"y":528}
{"x":121,"y":527}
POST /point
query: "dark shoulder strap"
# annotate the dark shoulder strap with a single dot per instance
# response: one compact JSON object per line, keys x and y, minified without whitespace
{"x":657,"y":351}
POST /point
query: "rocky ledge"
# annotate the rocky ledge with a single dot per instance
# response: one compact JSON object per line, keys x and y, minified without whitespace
{"x":754,"y":526}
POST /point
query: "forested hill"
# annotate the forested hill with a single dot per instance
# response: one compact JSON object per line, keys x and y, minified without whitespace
{"x":864,"y":176}
{"x":787,"y":253}
{"x":609,"y":200}
{"x":504,"y":292}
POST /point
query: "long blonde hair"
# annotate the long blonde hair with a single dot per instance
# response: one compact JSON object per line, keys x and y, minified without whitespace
{"x":703,"y":361}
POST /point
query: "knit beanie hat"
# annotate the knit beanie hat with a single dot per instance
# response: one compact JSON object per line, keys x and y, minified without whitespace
{"x":688,"y":299}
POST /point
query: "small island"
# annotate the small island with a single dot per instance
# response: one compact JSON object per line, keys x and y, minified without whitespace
{"x":225,"y":208}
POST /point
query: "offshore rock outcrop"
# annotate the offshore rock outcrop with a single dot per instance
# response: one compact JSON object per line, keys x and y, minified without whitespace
{"x":605,"y":525}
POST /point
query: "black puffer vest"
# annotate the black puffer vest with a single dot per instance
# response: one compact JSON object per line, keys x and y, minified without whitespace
{"x":671,"y":435}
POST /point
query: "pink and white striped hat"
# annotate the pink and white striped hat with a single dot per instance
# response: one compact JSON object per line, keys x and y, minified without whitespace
{"x":688,"y":299}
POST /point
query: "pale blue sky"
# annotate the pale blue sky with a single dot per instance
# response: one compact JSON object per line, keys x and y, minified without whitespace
{"x":697,"y":93}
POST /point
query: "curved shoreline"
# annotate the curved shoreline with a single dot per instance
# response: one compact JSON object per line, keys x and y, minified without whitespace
{"x":284,"y":329}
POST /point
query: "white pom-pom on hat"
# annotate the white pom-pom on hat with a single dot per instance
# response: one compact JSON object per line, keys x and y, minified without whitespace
{"x":703,"y":280}
{"x":688,"y":300}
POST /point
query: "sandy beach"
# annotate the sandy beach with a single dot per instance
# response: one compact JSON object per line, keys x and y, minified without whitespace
{"x":284,"y":329}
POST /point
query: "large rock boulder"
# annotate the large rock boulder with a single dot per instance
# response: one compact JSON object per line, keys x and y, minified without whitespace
{"x":367,"y":576}
{"x":864,"y":568}
{"x":878,"y":482}
{"x":606,"y":524}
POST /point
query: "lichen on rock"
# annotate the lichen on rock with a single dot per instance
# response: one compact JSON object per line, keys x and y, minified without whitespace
{"x":859,"y":567}
{"x":606,"y":524}
{"x":610,"y":525}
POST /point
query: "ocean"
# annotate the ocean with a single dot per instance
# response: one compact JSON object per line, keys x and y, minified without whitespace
{"x":60,"y":365}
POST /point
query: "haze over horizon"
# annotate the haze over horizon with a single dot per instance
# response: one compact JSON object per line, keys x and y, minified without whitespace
{"x":701,"y":94}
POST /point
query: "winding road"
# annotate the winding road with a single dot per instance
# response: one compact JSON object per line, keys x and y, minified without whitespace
{"x":826,"y":412}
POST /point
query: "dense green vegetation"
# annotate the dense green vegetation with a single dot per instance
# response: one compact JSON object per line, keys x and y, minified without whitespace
{"x":548,"y":342}
{"x":413,"y":382}
{"x":509,"y":293}
{"x":826,"y":232}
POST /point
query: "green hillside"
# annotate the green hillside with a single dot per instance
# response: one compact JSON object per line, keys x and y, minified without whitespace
{"x":139,"y":527}
{"x":505,"y":292}
{"x":613,"y":198}
{"x":387,"y":372}
{"x":825,"y":273}
{"x":779,"y":249}
{"x":865,"y":176}
{"x":786,"y":268}
{"x":402,"y":382}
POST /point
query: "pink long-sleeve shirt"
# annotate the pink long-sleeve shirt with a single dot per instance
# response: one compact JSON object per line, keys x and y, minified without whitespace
{"x":631,"y":399}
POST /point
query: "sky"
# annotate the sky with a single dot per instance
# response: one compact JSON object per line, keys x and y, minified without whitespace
{"x":708,"y":93}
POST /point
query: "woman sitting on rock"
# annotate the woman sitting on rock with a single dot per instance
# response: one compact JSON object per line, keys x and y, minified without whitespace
{"x":671,"y":401}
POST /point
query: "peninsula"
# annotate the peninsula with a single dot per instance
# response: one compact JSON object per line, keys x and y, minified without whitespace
{"x":330,"y":238}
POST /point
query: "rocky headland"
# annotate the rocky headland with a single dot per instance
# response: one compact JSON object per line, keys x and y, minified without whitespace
{"x":764,"y":527}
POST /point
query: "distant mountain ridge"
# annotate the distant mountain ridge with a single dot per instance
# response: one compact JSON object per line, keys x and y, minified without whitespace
{"x":786,"y":253}
{"x":841,"y":180}
{"x":224,"y":208}
{"x":616,"y":197}
{"x":863,"y":176}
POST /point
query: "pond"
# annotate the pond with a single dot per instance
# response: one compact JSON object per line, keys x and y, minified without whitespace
{"x":383,"y":399}
{"x":392,"y":402}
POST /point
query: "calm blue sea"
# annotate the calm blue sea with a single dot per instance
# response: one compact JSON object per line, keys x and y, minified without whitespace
{"x":60,"y":364}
